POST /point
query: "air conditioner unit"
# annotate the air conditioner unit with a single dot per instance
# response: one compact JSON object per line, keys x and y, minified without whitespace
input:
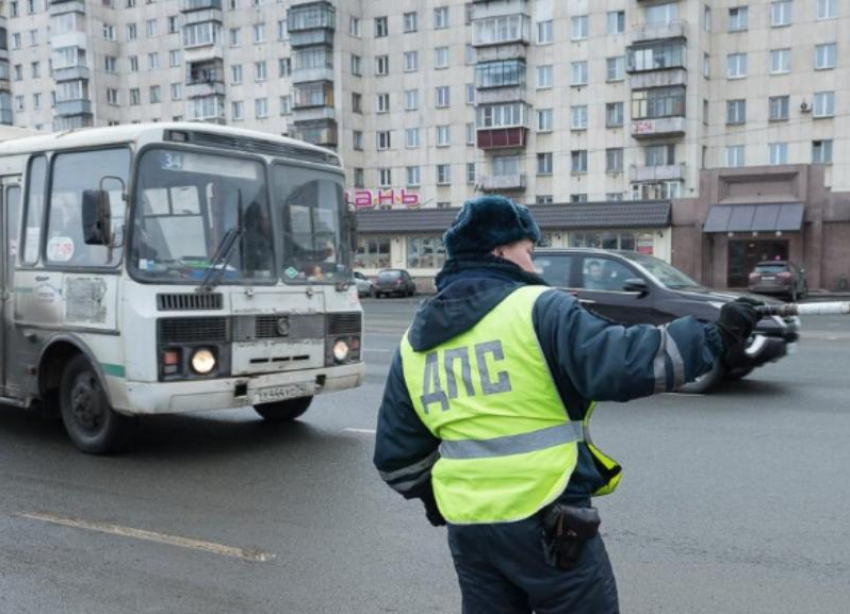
{"x":804,"y":107}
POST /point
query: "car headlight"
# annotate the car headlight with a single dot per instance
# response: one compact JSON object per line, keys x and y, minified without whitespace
{"x":340,"y":350}
{"x":203,"y":361}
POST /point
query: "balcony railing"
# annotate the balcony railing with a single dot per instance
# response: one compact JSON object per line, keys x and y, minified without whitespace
{"x":70,"y":73}
{"x":322,"y":132}
{"x":493,"y":183}
{"x":74,"y":6}
{"x":660,"y":31}
{"x":662,"y":126}
{"x":502,"y":138}
{"x":199,"y":89}
{"x":199,"y":5}
{"x":671,"y":172}
{"x":73,"y":107}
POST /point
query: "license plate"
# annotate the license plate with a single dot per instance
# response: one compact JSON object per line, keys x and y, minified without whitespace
{"x":282,"y":393}
{"x":768,"y":278}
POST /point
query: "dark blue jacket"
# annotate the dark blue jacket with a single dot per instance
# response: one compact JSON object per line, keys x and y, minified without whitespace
{"x":590,"y":358}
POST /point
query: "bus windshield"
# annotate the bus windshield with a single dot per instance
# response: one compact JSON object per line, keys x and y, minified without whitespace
{"x":187,"y":204}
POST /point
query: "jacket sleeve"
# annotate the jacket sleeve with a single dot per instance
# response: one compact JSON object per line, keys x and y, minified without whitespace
{"x":405,"y":450}
{"x":605,"y":361}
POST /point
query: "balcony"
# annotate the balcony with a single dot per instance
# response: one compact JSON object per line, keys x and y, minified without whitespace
{"x":662,"y":126}
{"x":495,"y":183}
{"x":311,"y":38}
{"x":659,"y":55}
{"x":307,"y":75}
{"x":74,"y":6}
{"x":199,"y":89}
{"x":660,"y":31}
{"x":643,"y":174}
{"x":511,"y":51}
{"x":321,"y":132}
{"x":187,"y":6}
{"x":203,"y":53}
{"x":661,"y":78}
{"x":499,"y":95}
{"x":309,"y":114}
{"x":502,"y":138}
{"x":71,"y":73}
{"x":510,"y":28}
{"x":73,"y":107}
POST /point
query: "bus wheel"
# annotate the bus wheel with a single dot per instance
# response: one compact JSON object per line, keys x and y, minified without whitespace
{"x":93,"y":426}
{"x":284,"y":411}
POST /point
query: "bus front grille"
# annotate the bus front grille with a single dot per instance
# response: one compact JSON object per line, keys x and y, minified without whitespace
{"x":350,"y":323}
{"x":294,"y":327}
{"x":189,"y":302}
{"x":193,"y":330}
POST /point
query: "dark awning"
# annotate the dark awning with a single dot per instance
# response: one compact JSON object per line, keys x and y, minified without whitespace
{"x":555,"y":216}
{"x":755,"y":218}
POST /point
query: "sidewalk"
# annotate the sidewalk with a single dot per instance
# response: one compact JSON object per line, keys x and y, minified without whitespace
{"x":826,"y":295}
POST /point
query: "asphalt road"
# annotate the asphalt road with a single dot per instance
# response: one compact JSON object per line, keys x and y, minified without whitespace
{"x":735,"y":502}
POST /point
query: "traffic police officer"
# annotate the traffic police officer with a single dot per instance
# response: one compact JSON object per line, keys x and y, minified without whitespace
{"x":486,"y":410}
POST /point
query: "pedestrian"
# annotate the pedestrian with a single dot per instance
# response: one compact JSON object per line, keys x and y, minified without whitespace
{"x":486,"y":410}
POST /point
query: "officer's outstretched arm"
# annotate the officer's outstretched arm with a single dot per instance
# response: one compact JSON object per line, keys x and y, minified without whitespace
{"x":608,"y":362}
{"x":405,"y":450}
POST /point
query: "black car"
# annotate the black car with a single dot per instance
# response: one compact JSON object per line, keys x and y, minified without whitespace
{"x":394,"y":282}
{"x":633,"y":288}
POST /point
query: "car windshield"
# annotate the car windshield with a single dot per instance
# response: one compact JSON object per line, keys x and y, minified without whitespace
{"x":664,"y":273}
{"x":771,"y":269}
{"x":188,"y":206}
{"x":311,"y":207}
{"x":389,"y":274}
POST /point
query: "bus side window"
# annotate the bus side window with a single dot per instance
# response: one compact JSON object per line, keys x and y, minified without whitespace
{"x":13,"y":214}
{"x":31,"y":238}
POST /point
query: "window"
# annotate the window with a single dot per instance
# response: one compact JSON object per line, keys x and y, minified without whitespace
{"x":359,"y":181}
{"x":200,"y":34}
{"x":411,"y":61}
{"x":504,"y":166}
{"x":544,"y":120}
{"x":135,"y":96}
{"x":236,"y":74}
{"x":470,"y":93}
{"x":442,"y":95}
{"x":470,"y":56}
{"x":822,"y":152}
{"x":616,"y":69}
{"x":739,"y":19}
{"x":354,"y":27}
{"x":578,"y":198}
{"x":172,"y":24}
{"x":150,"y":28}
{"x":780,"y":61}
{"x":777,"y":153}
{"x":662,"y":14}
{"x":174,"y":58}
{"x":413,"y":176}
{"x":426,"y":252}
{"x":544,"y":76}
{"x":176,"y":91}
{"x":780,"y":13}
{"x":153,"y":61}
{"x":411,"y":138}
{"x":382,"y":103}
{"x":825,"y":56}
{"x":235,"y":36}
{"x":827,"y":9}
{"x":261,"y":108}
{"x":614,"y":160}
{"x":72,"y":174}
{"x":131,"y":31}
{"x":544,"y":32}
{"x":578,"y":117}
{"x":19,"y":72}
{"x":441,"y":57}
{"x":736,"y":65}
{"x":109,"y":64}
{"x":735,"y":156}
{"x":706,"y":65}
{"x":282,"y":30}
{"x":383,"y":139}
{"x":616,"y":22}
{"x":613,"y":114}
{"x":134,"y":63}
{"x":544,"y":199}
{"x":658,"y":102}
{"x":260,"y":71}
{"x":154,"y":94}
{"x":356,"y":102}
{"x":656,"y":56}
{"x":16,"y":40}
{"x":544,"y":164}
{"x":381,"y":27}
{"x":109,"y":32}
{"x":444,"y":136}
{"x":503,"y":115}
{"x":470,"y":133}
{"x":824,"y":104}
{"x":356,"y":65}
{"x":706,"y":18}
{"x":660,"y":155}
{"x":411,"y":100}
{"x":411,"y":22}
{"x":35,"y":69}
{"x":778,"y":108}
{"x":578,"y":73}
{"x":441,"y":17}
{"x":470,"y":172}
{"x":237,"y":110}
{"x":111,"y":95}
{"x":373,"y":252}
{"x":35,"y":208}
{"x":259,"y":33}
{"x":286,"y":105}
{"x":382,"y":65}
{"x":497,"y":30}
{"x":444,"y":174}
{"x":578,"y":161}
{"x":736,"y":111}
{"x":579,"y":26}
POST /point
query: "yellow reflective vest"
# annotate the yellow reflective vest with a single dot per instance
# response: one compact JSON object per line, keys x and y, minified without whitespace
{"x":508,"y":445}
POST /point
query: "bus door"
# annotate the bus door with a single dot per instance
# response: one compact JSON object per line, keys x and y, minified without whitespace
{"x":10,"y":212}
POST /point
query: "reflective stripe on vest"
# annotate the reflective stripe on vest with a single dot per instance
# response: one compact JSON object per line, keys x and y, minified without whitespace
{"x":508,"y":446}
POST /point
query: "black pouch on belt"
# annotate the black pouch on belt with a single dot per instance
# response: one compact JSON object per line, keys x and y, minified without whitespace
{"x":567,"y":529}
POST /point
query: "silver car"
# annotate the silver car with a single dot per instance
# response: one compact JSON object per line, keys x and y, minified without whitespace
{"x":365,"y":286}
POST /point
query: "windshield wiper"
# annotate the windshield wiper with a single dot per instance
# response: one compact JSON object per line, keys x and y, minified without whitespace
{"x":223,"y":253}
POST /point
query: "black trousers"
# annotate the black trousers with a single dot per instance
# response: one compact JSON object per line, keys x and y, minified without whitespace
{"x":502,"y":570}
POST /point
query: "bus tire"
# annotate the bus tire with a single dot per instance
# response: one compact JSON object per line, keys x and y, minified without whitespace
{"x":91,"y":423}
{"x":283,"y":411}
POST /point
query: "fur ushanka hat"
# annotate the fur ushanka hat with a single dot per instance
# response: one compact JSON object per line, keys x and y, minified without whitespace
{"x":486,"y":223}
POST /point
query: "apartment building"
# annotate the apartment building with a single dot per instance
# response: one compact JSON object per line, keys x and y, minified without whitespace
{"x":702,"y":103}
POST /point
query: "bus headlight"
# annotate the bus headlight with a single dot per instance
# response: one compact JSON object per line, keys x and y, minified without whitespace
{"x":203,"y":361}
{"x":340,"y":350}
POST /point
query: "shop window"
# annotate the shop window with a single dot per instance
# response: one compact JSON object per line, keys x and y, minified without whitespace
{"x":372,"y":252}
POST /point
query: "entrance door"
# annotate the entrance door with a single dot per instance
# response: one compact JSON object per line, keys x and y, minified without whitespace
{"x":745,"y":255}
{"x":10,"y":213}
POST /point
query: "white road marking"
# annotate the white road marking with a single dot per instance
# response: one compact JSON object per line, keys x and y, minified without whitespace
{"x":366,"y":431}
{"x":246,"y":554}
{"x":683,"y":394}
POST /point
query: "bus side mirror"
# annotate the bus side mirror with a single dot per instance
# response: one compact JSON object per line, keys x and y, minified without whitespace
{"x":97,"y":217}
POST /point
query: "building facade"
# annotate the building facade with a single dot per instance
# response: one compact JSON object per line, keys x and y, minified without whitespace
{"x":431,"y":102}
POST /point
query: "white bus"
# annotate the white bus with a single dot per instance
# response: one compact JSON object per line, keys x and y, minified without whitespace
{"x":167,"y":268}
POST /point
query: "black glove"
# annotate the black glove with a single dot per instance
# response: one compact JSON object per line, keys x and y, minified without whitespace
{"x":432,"y":511}
{"x":735,"y":324}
